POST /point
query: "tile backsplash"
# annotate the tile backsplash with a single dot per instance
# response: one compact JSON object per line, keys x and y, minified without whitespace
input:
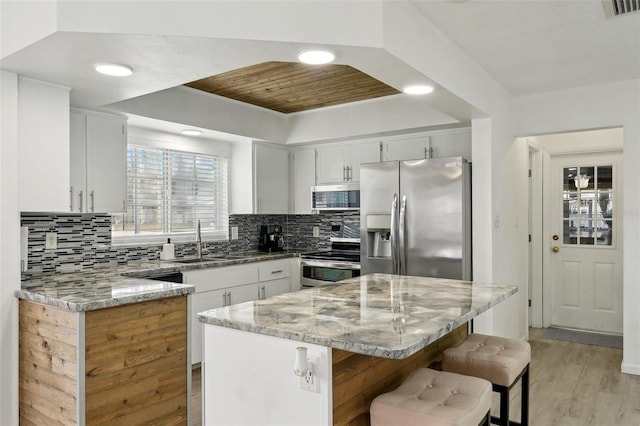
{"x":84,"y":240}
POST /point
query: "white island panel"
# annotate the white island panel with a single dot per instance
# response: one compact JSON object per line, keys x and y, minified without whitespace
{"x":249,"y":380}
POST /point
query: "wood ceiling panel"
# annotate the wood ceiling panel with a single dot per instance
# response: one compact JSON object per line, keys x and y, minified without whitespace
{"x":293,"y":87}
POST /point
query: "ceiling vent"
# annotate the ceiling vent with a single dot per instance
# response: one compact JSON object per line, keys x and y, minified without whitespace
{"x":620,"y":7}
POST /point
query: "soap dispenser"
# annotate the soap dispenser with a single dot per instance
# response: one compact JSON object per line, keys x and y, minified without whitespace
{"x":168,"y":251}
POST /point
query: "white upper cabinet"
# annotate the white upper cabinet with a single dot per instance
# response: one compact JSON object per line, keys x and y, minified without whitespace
{"x":271,"y":179}
{"x":303,"y":172}
{"x":453,"y":143}
{"x":409,"y":148}
{"x":362,"y":153}
{"x":341,"y":163}
{"x":43,"y":145}
{"x":448,"y":143}
{"x":98,"y":162}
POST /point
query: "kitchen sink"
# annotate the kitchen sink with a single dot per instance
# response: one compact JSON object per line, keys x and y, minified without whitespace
{"x":200,"y":260}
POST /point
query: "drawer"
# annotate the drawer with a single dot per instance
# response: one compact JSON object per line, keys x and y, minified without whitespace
{"x":223,"y":277}
{"x":274,"y":269}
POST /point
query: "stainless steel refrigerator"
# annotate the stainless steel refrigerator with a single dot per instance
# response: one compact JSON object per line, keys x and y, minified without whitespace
{"x":415,"y":218}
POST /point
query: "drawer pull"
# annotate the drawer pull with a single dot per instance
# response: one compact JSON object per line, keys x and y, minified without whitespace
{"x":279,"y":271}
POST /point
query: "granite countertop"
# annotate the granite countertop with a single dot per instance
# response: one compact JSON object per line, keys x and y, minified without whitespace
{"x":109,"y":287}
{"x":387,"y":316}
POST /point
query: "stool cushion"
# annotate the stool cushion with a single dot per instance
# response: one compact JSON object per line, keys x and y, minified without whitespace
{"x":430,"y":397}
{"x":496,"y":359}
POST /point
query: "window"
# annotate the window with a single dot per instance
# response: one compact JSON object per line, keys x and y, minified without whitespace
{"x":168,"y":192}
{"x":588,"y":208}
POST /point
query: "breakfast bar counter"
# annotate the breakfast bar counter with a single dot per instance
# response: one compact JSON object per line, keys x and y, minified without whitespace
{"x":363,"y":337}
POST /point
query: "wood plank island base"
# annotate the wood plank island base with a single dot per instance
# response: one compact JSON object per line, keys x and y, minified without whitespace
{"x":119,"y":356}
{"x":363,"y":337}
{"x":358,"y":379}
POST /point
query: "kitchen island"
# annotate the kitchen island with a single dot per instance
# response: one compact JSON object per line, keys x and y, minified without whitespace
{"x":364,"y":336}
{"x":100,"y":348}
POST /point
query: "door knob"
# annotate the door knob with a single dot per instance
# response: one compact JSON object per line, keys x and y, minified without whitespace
{"x":555,"y":249}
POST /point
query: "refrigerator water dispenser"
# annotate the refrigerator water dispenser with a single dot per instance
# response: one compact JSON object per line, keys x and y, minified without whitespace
{"x":378,"y":235}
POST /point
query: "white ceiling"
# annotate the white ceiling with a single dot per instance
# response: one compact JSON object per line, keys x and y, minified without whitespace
{"x":541,"y":45}
{"x":526,"y":46}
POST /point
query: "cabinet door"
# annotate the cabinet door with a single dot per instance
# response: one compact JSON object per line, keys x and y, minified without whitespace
{"x":242,"y":293}
{"x":411,"y":148}
{"x":456,"y":143}
{"x":106,"y":163}
{"x":271,"y":165}
{"x":274,"y":287}
{"x":78,"y":165}
{"x":360,"y":154}
{"x":274,"y":269}
{"x":330,"y":165}
{"x":201,"y":302}
{"x":303,"y":178}
{"x":223,"y":277}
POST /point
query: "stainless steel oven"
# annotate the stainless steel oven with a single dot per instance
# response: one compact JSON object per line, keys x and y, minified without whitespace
{"x":326,"y":267}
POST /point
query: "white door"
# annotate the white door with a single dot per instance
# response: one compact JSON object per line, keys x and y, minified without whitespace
{"x":271,"y":179}
{"x":304,"y":177}
{"x":586,"y":242}
{"x":361,"y":154}
{"x":106,"y":164}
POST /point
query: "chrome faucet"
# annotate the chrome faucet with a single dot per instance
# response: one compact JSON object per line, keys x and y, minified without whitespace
{"x":198,"y":241}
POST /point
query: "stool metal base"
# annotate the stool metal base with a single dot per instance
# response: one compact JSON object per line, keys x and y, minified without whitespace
{"x":486,"y":420}
{"x":503,"y":420}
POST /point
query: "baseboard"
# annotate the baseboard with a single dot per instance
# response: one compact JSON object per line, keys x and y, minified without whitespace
{"x":630,"y":368}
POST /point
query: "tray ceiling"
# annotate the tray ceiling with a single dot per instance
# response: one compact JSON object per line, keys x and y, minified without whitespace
{"x":293,"y":87}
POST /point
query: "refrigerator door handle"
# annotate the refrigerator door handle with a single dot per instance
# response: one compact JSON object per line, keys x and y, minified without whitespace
{"x":401,"y":237}
{"x":393,"y":237}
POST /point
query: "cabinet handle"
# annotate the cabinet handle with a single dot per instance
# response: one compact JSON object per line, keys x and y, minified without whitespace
{"x":349,"y":173}
{"x":71,"y":199}
{"x":277,"y":272}
{"x":224,"y":299}
{"x":229,"y":298}
{"x":92,"y":201}
{"x":80,"y":201}
{"x":264,"y":292}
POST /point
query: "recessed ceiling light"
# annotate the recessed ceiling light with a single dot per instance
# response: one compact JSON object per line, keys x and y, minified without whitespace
{"x":191,"y":132}
{"x":114,"y":70}
{"x":418,"y":89}
{"x":316,"y":57}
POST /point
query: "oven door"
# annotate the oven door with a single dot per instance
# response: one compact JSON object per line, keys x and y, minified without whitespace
{"x":319,"y":272}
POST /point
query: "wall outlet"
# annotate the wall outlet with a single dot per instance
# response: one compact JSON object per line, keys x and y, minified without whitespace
{"x":234,"y":232}
{"x":316,"y":231}
{"x":50,"y":240}
{"x":310,"y":382}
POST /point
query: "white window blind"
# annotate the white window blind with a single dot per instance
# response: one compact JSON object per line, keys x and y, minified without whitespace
{"x":169,"y":191}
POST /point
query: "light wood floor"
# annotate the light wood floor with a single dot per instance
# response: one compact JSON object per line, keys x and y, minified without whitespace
{"x":571,"y":384}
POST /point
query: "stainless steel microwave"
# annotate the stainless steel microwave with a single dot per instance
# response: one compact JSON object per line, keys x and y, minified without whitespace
{"x":344,"y":196}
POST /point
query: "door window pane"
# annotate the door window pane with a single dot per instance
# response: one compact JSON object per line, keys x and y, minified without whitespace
{"x":587,"y":206}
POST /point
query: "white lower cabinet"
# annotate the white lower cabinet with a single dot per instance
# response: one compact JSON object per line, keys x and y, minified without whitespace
{"x":229,"y":285}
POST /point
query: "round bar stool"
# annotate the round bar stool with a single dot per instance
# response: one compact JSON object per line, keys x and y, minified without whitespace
{"x":499,"y":360}
{"x":430,"y":397}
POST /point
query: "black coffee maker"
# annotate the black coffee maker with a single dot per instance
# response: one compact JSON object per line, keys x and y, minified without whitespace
{"x":270,"y":238}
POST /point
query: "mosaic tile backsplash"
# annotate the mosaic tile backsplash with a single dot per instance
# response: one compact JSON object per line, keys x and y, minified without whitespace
{"x":84,"y":240}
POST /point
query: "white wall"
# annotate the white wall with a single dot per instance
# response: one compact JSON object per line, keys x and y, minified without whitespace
{"x":158,"y":139}
{"x":498,"y":169}
{"x":44,"y":150}
{"x":195,"y":108}
{"x":358,"y":119}
{"x":607,"y":105}
{"x":584,"y":142}
{"x":9,"y":248}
